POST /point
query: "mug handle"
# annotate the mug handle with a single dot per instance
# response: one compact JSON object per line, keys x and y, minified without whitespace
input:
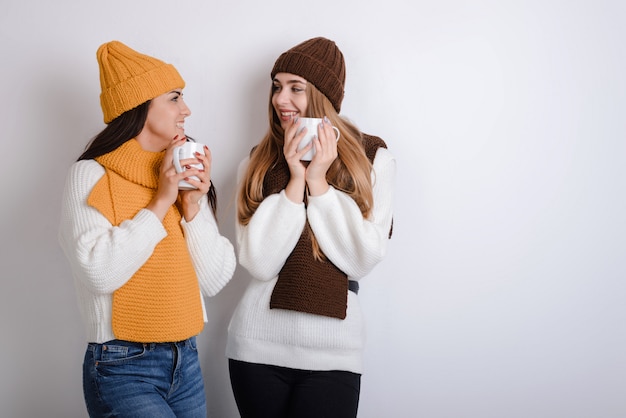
{"x":176,"y":159}
{"x":338,"y":133}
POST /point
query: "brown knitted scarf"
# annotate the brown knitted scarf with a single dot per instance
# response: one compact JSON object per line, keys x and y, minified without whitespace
{"x":304,"y":283}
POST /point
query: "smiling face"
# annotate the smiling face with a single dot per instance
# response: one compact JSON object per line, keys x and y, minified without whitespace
{"x":165,"y":120}
{"x":289,"y":97}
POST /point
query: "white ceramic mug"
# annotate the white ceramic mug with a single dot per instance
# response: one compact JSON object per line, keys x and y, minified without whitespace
{"x":311,"y":125}
{"x":187,"y":150}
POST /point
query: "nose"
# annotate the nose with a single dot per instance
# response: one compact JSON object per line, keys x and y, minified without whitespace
{"x":282,"y":96}
{"x":184,"y":109}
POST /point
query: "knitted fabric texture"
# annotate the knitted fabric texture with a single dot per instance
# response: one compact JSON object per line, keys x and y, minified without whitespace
{"x":129,"y":78}
{"x":162,"y":301}
{"x":305,"y":284}
{"x":321,"y":63}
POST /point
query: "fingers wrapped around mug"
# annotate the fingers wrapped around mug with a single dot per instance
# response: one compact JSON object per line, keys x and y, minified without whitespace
{"x":194,"y":161}
{"x":292,"y":150}
{"x":326,"y":141}
{"x":319,"y":133}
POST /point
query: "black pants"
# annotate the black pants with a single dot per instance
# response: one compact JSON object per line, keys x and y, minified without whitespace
{"x":279,"y":392}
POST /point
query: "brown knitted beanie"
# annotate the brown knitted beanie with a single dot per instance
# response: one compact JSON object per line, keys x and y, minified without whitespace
{"x":129,"y":78}
{"x":321,"y":63}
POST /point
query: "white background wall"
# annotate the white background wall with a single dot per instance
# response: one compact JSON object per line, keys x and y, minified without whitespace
{"x":503,"y":291}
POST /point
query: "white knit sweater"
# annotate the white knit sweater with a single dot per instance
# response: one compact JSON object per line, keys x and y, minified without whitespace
{"x":104,"y":257}
{"x":258,"y":334}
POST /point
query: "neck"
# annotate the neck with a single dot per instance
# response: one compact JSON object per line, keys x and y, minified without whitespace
{"x":149,"y":142}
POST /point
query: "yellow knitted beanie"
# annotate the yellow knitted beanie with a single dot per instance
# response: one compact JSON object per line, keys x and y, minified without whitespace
{"x":129,"y":78}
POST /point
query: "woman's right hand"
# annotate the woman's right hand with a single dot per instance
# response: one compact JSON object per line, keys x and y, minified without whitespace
{"x":297,"y":169}
{"x":290,"y":149}
{"x":167,"y":188}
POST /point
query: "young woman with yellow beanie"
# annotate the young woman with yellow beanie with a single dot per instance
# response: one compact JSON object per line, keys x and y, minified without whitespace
{"x":307,"y":233}
{"x":142,"y":252}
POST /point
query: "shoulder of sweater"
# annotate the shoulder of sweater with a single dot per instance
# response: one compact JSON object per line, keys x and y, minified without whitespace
{"x":382,"y":158}
{"x":82,"y":176}
{"x":86,"y":170}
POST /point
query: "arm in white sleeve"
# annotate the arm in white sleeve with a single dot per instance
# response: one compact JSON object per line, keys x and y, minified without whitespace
{"x":102,"y":256}
{"x":271,"y":235}
{"x":354,"y":244}
{"x":212,"y":254}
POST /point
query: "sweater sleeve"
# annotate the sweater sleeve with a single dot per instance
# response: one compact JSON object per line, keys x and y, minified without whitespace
{"x":271,"y":235}
{"x":102,"y":256}
{"x":354,"y":244}
{"x":212,"y":254}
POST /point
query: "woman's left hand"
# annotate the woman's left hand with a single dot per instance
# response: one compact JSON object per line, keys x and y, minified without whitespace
{"x":325,"y":154}
{"x":189,"y":200}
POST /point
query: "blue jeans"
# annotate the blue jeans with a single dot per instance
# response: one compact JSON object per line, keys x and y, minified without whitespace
{"x":126,"y":379}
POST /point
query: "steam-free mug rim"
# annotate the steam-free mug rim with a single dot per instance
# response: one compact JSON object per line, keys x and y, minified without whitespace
{"x":309,"y":136}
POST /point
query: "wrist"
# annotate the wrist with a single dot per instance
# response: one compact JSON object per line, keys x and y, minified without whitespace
{"x":190,"y":209}
{"x":318,"y":187}
{"x":295,"y":190}
{"x":159,"y":207}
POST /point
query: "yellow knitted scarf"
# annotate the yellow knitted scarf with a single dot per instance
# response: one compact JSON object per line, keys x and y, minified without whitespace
{"x":162,"y":301}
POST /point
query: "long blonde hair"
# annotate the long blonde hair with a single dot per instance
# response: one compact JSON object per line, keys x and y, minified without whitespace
{"x":350,"y":172}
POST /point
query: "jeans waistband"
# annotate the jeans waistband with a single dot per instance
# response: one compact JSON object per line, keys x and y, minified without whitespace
{"x":191,"y":341}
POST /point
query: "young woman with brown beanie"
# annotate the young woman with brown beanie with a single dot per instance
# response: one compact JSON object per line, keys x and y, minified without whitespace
{"x":307,"y":232}
{"x":142,"y":252}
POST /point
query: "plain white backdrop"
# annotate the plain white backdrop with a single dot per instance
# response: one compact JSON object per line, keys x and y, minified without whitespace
{"x":502,"y":294}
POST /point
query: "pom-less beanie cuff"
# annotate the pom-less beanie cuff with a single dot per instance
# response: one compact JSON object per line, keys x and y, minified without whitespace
{"x":128,"y":79}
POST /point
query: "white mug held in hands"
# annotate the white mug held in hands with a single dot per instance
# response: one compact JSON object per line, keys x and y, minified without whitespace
{"x":185,"y":151}
{"x":311,"y":125}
